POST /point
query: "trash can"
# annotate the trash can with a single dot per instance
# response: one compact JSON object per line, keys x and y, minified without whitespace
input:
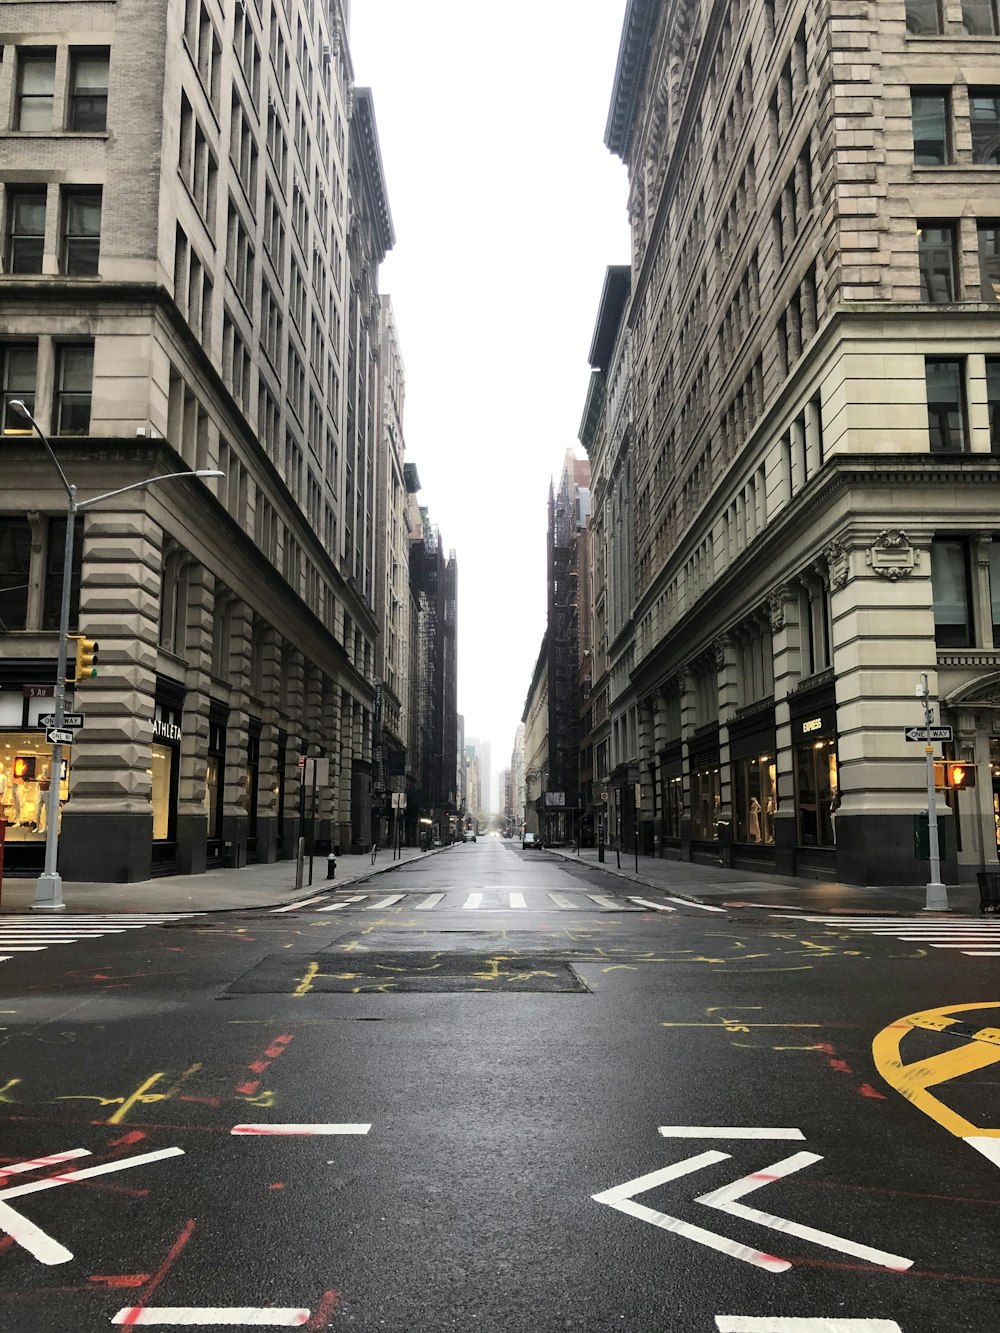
{"x":989,"y":890}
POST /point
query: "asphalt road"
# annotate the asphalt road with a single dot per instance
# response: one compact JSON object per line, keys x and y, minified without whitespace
{"x":575,"y":1111}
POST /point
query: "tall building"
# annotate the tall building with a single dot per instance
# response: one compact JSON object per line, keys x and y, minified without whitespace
{"x":535,"y":724}
{"x":193,"y":216}
{"x":802,"y":414}
{"x":517,"y":781}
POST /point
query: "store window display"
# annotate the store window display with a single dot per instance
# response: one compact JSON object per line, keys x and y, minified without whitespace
{"x":817,"y":792}
{"x":755,"y":798}
{"x":25,"y":779}
{"x":706,"y":802}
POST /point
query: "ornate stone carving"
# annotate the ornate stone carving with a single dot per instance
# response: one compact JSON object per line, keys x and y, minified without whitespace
{"x":838,"y":563}
{"x":776,"y":610}
{"x":891,"y":555}
{"x":719,"y":652}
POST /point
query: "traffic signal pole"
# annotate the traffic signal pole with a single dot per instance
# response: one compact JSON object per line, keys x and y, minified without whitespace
{"x":937,"y":894}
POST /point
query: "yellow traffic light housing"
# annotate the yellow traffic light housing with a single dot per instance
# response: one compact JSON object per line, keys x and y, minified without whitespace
{"x":86,"y":658}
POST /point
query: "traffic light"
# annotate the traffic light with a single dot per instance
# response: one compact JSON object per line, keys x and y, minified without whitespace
{"x":961,"y":776}
{"x":86,"y":658}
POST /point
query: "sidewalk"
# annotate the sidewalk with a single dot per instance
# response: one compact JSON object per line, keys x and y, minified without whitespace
{"x":718,"y":885}
{"x":254,"y":886}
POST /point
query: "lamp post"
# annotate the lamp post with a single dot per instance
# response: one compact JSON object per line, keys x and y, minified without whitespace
{"x":48,"y":886}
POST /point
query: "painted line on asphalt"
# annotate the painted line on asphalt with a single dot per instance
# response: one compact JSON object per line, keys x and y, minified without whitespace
{"x":32,"y":1238}
{"x":740,"y":1323}
{"x":305,"y":902}
{"x":26,"y":948}
{"x":38,"y":1163}
{"x":301,"y":1129}
{"x":686,"y":902}
{"x":430,"y":901}
{"x":190,"y":1316}
{"x":609,"y":904}
{"x":725,"y":1199}
{"x":518,"y":902}
{"x":474,"y":901}
{"x":727,"y":1132}
{"x":106,"y":1168}
{"x":982,"y":953}
{"x":335,"y":907}
{"x":562,"y":902}
{"x":385,"y":902}
{"x":656,"y":907}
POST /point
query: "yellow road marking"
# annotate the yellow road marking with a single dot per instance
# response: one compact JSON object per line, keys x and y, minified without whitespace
{"x":137,"y":1096}
{"x":305,"y":983}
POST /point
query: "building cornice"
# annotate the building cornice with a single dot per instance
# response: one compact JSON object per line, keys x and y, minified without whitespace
{"x":363,"y":123}
{"x":630,"y":72}
{"x":611,"y":307}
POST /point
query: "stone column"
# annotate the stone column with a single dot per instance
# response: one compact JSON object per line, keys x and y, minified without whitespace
{"x":981,"y":593}
{"x":726,"y":662}
{"x":646,"y":748}
{"x":107,"y":824}
{"x":294,"y":679}
{"x":235,"y":819}
{"x":685,"y":687}
{"x":345,"y":767}
{"x":267,"y":777}
{"x":36,"y":573}
{"x":192,"y":818}
{"x":783,"y":605}
{"x":327,"y":828}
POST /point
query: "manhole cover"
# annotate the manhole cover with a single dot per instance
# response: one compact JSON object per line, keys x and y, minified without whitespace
{"x":430,"y":972}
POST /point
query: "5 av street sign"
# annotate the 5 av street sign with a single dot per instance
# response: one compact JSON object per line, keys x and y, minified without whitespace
{"x":937,"y":734}
{"x":73,"y":721}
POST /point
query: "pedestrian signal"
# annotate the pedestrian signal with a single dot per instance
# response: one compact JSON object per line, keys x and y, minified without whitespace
{"x":961,"y":776}
{"x":86,"y":658}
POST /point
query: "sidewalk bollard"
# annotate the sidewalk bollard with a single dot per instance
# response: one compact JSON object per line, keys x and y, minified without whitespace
{"x":331,"y":866}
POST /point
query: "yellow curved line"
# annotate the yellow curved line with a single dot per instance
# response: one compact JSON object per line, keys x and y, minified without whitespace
{"x":912,"y":1080}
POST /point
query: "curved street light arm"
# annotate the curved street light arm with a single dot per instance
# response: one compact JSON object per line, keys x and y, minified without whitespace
{"x":139,"y":485}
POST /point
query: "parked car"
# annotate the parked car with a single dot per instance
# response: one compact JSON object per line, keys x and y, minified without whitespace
{"x":468,"y":836}
{"x":530,"y":840}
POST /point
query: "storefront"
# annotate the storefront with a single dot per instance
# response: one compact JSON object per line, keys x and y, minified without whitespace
{"x":753,"y":767}
{"x":215,"y":783}
{"x":671,"y":796}
{"x":817,"y":790}
{"x":252,"y":785}
{"x":706,"y":792}
{"x":165,"y":767}
{"x":26,"y":773}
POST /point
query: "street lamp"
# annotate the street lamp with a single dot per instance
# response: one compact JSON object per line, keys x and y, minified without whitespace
{"x":48,"y":887}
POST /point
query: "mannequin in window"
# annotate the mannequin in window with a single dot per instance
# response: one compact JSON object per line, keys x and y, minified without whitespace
{"x":769,"y":820}
{"x":834,"y":807}
{"x":753,"y":824}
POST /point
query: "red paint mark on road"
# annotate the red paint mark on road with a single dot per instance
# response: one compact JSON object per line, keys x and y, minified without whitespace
{"x":5,"y":1243}
{"x":185,"y":1235}
{"x":327,"y":1307}
{"x":866,"y":1090}
{"x":278,"y":1185}
{"x":900,"y":1272}
{"x":258,"y":1066}
{"x":248,"y":1089}
{"x":841,"y":1066}
{"x":205,"y":1101}
{"x":113,"y":1282}
{"x":126,"y":1140}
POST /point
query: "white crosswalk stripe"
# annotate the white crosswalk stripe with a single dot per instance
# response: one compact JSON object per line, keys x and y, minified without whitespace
{"x":970,"y":937}
{"x":487,"y":900}
{"x":20,"y":933}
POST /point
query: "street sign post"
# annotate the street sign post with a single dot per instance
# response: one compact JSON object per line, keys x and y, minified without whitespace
{"x":71,"y":721}
{"x":56,"y":736}
{"x":943,"y":733}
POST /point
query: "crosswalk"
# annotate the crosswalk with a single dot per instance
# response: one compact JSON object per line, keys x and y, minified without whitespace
{"x":486,"y":900}
{"x":23,"y":934}
{"x":975,"y":939}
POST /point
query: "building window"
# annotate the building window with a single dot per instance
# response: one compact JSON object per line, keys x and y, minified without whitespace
{"x":74,"y":385}
{"x":817,"y":793}
{"x":923,"y":16}
{"x":755,"y":798}
{"x":19,"y":365}
{"x":15,"y":571}
{"x":88,"y":91}
{"x":984,"y":112}
{"x":26,"y":773}
{"x":25,"y":230}
{"x":81,"y":237}
{"x":55,"y":559}
{"x":952,"y":594}
{"x":946,"y":404}
{"x":936,"y":248}
{"x":989,"y":260}
{"x":993,"y":401}
{"x":931,"y":147}
{"x":36,"y":86}
{"x":979,"y":18}
{"x":706,"y":802}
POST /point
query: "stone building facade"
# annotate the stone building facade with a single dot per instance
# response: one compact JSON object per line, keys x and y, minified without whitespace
{"x":193,"y":214}
{"x":810,"y":444}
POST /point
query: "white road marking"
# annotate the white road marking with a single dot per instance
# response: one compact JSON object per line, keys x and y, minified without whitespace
{"x":304,"y":902}
{"x":562,"y":902}
{"x":725,"y":1199}
{"x":473,"y":901}
{"x":620,"y":1197}
{"x":686,"y":902}
{"x":988,"y":1146}
{"x":335,"y":907}
{"x":657,"y":907}
{"x":188,"y":1316}
{"x":727,"y":1132}
{"x":982,"y":953}
{"x":300,"y":1129}
{"x":737,"y":1323}
{"x":430,"y":901}
{"x":32,"y":1238}
{"x":106,"y":1168}
{"x":517,"y":902}
{"x":609,"y":904}
{"x":385,"y":902}
{"x":38,"y":1163}
{"x":26,"y":948}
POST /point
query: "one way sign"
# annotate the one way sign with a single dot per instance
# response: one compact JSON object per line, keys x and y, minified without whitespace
{"x":936,"y":733}
{"x":72,"y":720}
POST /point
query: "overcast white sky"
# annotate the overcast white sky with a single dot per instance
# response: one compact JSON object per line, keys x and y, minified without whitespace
{"x":507,"y":209}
